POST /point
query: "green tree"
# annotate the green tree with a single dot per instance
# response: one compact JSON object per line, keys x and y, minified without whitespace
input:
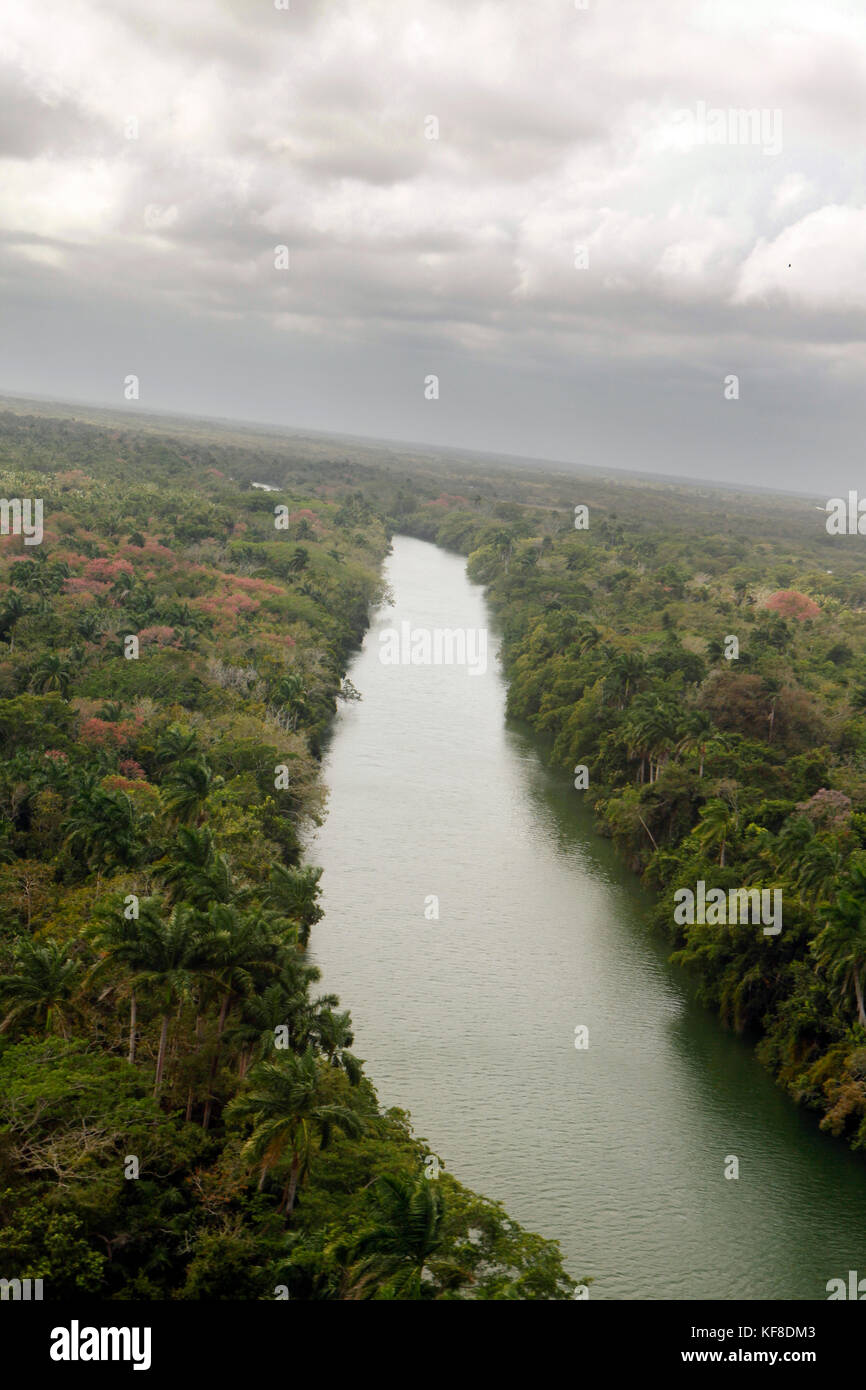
{"x":716,"y":827}
{"x":405,"y":1235}
{"x":194,"y":871}
{"x":101,"y":828}
{"x":295,"y":894}
{"x":292,"y":1114}
{"x":41,"y":987}
{"x":695,"y":732}
{"x":13,"y":610}
{"x":174,"y":950}
{"x":840,"y":948}
{"x":186,"y":791}
{"x":52,"y":673}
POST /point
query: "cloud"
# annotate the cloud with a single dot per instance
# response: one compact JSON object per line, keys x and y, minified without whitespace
{"x":152,"y":158}
{"x":817,"y":263}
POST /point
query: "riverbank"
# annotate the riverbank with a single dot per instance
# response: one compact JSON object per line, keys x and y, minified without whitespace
{"x":739,"y":763}
{"x":618,"y":1149}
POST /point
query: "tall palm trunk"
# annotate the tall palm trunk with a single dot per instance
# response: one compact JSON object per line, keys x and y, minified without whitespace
{"x":133,"y":1019}
{"x":160,"y":1056}
{"x":189,"y":1094}
{"x":176,"y":1037}
{"x":292,"y":1189}
{"x":208,"y":1105}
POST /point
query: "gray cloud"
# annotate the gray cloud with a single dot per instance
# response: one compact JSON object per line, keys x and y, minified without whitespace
{"x":559,"y":129}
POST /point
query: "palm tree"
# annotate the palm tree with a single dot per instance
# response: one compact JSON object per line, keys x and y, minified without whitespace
{"x":528,"y":559}
{"x":292,"y":697}
{"x":186,"y":791}
{"x":405,"y":1235}
{"x":14,"y":608}
{"x":289,"y":1109}
{"x":295,"y":893}
{"x":636,"y":740}
{"x":242,"y":953}
{"x":44,"y":978}
{"x":122,"y":943}
{"x":174,"y":949}
{"x":661,"y":728}
{"x":46,"y":579}
{"x":820,"y":868}
{"x":773,"y":689}
{"x":181,"y":615}
{"x":122,"y":585}
{"x":624,"y":672}
{"x":840,"y":949}
{"x":175,"y":744}
{"x":716,"y":826}
{"x":289,"y":995}
{"x":101,"y":827}
{"x":88,"y":626}
{"x":651,"y":732}
{"x":23,"y":572}
{"x":695,"y":733}
{"x":333,"y":1036}
{"x":588,"y":638}
{"x":194,"y":871}
{"x":795,"y":837}
{"x":259,"y":1016}
{"x":140,"y":605}
{"x":52,"y":673}
{"x":503,"y":544}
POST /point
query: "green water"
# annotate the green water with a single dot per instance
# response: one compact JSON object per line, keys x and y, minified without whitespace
{"x":619,"y":1150}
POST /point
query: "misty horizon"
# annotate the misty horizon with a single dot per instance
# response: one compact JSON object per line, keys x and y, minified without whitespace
{"x":558,"y":466}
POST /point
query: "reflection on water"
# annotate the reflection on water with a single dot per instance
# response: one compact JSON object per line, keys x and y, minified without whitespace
{"x":469,"y":1021}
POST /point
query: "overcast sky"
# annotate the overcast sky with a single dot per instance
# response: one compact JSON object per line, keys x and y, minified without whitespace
{"x":154,"y":154}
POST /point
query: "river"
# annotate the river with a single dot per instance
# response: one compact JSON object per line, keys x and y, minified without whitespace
{"x":468,"y":1021}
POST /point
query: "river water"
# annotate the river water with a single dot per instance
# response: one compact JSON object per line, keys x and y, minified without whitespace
{"x":617,"y":1150}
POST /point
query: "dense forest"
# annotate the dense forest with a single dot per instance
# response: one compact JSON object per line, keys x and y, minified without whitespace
{"x":182,"y":1114}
